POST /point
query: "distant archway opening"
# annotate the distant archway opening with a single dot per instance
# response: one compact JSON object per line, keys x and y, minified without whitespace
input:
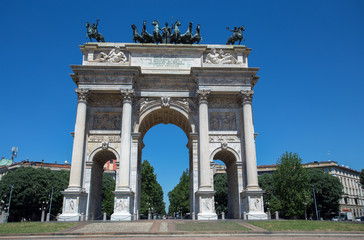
{"x":167,"y":116}
{"x":97,"y":170}
{"x":231,"y":171}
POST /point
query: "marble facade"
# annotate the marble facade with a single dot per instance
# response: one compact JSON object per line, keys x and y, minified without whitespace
{"x":206,"y":90}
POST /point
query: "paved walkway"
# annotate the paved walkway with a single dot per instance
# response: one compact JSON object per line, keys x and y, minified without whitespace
{"x":166,"y":229}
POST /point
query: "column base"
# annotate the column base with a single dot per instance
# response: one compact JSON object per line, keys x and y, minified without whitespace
{"x":253,"y":205}
{"x":206,"y":205}
{"x":74,"y":205}
{"x":123,"y":206}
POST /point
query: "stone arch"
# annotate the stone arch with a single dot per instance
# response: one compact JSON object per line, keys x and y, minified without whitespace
{"x":98,"y":159}
{"x":175,"y":115}
{"x":233,"y":168}
{"x":157,"y":114}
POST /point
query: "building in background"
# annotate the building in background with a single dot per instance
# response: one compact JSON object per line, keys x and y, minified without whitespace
{"x":352,"y":199}
{"x":7,"y":165}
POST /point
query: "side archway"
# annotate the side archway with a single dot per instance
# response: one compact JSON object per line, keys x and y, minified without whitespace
{"x":234,"y":179}
{"x":98,"y":157}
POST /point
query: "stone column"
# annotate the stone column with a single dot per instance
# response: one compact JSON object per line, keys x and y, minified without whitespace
{"x":124,"y":196}
{"x":205,"y":181}
{"x":74,"y":200}
{"x":252,"y":196}
{"x":124,"y":178}
{"x":205,"y":193}
{"x":79,"y":141}
{"x":250,"y":154}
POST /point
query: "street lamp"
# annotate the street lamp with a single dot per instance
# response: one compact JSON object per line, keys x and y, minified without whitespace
{"x":362,"y":205}
{"x":14,"y":152}
{"x":43,"y":208}
{"x":314,"y":197}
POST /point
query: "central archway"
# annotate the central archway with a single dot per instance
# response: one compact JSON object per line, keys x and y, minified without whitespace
{"x":180,"y":118}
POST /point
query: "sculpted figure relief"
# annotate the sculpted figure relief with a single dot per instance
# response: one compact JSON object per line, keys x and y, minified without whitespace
{"x":220,"y":58}
{"x":114,"y":56}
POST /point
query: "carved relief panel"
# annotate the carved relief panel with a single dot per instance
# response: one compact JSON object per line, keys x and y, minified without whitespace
{"x":225,"y":121}
{"x":107,"y":121}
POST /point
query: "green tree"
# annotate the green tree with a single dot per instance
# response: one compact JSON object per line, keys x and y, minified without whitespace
{"x":362,"y":177}
{"x":151,"y":191}
{"x":179,"y":197}
{"x":270,"y":200}
{"x":32,"y":186}
{"x":221,"y":192}
{"x":108,"y":186}
{"x":291,"y":184}
{"x":328,"y":191}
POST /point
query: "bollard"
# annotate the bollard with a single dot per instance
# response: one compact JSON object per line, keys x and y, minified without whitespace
{"x":244,"y":216}
{"x":193,"y":216}
{"x":223,"y":216}
{"x":277,"y":215}
{"x":104,"y":219}
{"x":48,"y":217}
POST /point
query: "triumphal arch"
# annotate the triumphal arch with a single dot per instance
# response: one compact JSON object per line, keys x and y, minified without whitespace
{"x":124,"y":89}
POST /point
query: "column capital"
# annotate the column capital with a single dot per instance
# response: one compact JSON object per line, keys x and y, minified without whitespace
{"x":83,"y":95}
{"x":127,"y":95}
{"x":246,"y":96}
{"x":202,"y":95}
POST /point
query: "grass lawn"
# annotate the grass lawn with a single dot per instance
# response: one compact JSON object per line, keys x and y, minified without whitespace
{"x":34,"y":227}
{"x":209,"y":226}
{"x":302,"y":225}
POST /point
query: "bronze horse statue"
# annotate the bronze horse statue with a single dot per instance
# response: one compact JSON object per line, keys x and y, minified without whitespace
{"x":157,"y":36}
{"x":147,"y":38}
{"x":197,"y":37}
{"x":176,"y":36}
{"x":186,"y":38}
{"x":92,"y":32}
{"x":237,"y":35}
{"x":136,"y":35}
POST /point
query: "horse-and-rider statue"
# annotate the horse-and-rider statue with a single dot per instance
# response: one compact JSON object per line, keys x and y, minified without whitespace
{"x":237,"y":35}
{"x":92,"y":32}
{"x":167,"y":36}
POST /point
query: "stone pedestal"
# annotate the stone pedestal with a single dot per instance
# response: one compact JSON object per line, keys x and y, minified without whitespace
{"x":253,"y":204}
{"x":206,"y":205}
{"x":123,"y":205}
{"x":74,"y":204}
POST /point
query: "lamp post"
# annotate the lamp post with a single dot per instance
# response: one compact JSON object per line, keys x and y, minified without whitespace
{"x":43,"y":209}
{"x":314,"y":197}
{"x":362,"y":205}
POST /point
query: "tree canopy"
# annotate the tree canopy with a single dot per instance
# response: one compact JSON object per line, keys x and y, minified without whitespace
{"x":328,"y":192}
{"x":221,"y":192}
{"x":32,"y":186}
{"x":151,"y":191}
{"x":362,"y":177}
{"x":179,"y":197}
{"x":291,"y":184}
{"x":270,"y":200}
{"x":108,"y":186}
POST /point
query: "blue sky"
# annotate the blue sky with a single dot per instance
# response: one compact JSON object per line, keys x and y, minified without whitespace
{"x":308,"y":100}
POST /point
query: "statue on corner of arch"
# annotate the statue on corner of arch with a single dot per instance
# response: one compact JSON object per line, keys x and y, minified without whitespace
{"x":92,"y":32}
